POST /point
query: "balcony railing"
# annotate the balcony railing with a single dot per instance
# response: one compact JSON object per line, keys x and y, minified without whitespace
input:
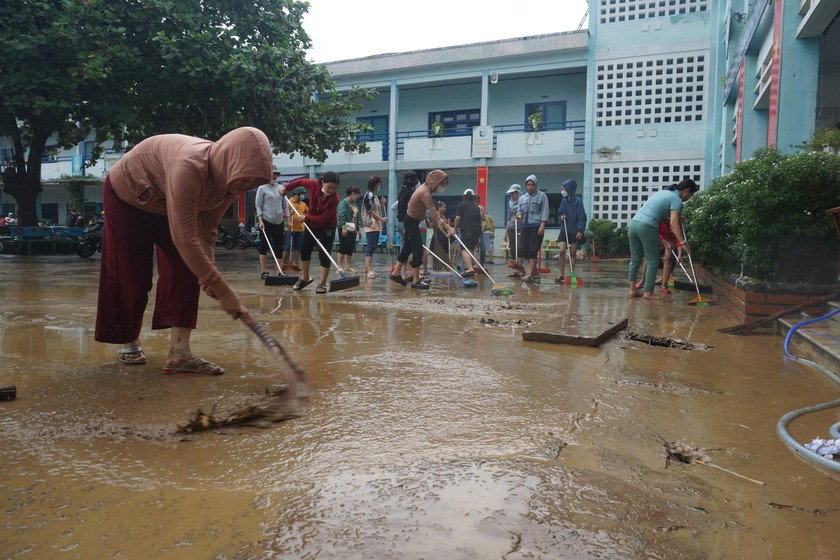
{"x":578,"y":126}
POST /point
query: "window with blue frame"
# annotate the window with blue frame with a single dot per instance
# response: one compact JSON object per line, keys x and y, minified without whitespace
{"x":553,"y":115}
{"x":456,"y":123}
{"x":378,"y":132}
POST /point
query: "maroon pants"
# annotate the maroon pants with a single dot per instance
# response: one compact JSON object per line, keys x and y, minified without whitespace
{"x":130,"y":241}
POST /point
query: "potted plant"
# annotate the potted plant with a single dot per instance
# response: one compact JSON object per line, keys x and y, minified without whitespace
{"x":438,"y":130}
{"x":534,"y":123}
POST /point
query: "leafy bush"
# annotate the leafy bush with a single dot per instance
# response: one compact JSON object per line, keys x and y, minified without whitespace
{"x":609,"y":240}
{"x":767,"y":219}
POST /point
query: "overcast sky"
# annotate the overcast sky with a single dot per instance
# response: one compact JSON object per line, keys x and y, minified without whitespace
{"x":342,"y":29}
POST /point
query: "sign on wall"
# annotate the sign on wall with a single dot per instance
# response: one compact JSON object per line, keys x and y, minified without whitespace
{"x":482,"y":142}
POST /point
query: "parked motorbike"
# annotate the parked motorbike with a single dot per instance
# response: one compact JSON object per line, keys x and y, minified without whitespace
{"x":248,"y":239}
{"x":226,"y":239}
{"x":91,"y":241}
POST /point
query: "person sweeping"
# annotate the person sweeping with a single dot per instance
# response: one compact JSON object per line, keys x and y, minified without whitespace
{"x":164,"y":199}
{"x":322,"y":220}
{"x":421,"y":206}
{"x":572,"y":225}
{"x":644,"y":233}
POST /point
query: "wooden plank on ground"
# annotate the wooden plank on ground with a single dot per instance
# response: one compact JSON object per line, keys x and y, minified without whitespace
{"x":557,"y":333}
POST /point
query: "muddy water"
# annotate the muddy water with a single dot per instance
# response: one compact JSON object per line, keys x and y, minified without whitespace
{"x":430,"y":433}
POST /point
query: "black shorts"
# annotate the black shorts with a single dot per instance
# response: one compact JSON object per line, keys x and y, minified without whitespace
{"x":346,"y":243}
{"x":274,"y":234}
{"x":531,"y":242}
{"x":326,"y":237}
{"x":470,"y":238}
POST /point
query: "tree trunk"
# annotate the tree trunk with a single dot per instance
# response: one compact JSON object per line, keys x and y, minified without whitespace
{"x":26,"y":196}
{"x":23,"y":180}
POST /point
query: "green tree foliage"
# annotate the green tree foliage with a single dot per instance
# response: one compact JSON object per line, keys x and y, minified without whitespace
{"x":767,"y":219}
{"x":609,"y":239}
{"x":135,"y":68}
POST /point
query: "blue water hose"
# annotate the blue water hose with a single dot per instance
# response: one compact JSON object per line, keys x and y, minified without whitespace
{"x":781,"y":425}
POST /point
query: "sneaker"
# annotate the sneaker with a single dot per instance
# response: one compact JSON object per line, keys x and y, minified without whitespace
{"x":420,"y":285}
{"x":264,"y":275}
{"x":371,"y":275}
{"x":398,"y":279}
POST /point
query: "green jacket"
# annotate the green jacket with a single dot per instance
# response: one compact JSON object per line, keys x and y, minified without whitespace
{"x":345,"y":213}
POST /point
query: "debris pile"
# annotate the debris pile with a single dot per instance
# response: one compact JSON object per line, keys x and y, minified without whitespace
{"x":827,"y":448}
{"x":275,"y":407}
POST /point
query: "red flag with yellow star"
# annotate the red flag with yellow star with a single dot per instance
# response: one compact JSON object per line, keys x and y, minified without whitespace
{"x":481,"y":183}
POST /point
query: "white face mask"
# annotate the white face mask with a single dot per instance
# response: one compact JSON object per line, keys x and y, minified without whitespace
{"x":564,"y":193}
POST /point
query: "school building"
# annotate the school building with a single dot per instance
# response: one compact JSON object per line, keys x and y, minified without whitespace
{"x":652,"y":92}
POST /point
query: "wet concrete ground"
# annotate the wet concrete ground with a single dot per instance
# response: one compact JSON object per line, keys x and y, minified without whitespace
{"x":430,"y":434}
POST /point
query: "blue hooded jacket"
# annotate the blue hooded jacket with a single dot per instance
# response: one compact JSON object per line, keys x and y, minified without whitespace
{"x":572,"y":208}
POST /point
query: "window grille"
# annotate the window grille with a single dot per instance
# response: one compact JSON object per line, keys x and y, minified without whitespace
{"x":616,"y":182}
{"x":617,"y":11}
{"x":663,"y":89}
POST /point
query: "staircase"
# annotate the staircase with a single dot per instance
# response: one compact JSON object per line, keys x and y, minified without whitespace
{"x":819,"y":342}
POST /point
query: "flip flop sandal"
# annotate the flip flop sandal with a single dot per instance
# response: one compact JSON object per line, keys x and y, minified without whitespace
{"x":468,"y":273}
{"x":196,"y":366}
{"x":134,"y":357}
{"x":321,"y":289}
{"x":301,"y":284}
{"x":398,"y":279}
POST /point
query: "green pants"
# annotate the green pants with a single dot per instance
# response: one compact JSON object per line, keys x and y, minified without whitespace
{"x":644,"y":243}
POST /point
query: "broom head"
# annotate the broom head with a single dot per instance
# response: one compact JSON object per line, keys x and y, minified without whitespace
{"x":500,"y":291}
{"x":343,"y":283}
{"x":700,"y":301}
{"x":281,"y":280}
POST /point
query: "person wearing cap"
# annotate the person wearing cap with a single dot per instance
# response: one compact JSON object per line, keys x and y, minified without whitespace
{"x":295,"y":231}
{"x":272,"y":213}
{"x":322,"y":220}
{"x":532,"y":216}
{"x":164,"y":199}
{"x":421,"y":206}
{"x":468,"y":221}
{"x":572,"y":225}
{"x":515,"y":191}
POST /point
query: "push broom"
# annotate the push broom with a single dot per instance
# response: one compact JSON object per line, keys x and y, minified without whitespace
{"x":699,"y":301}
{"x":497,"y":289}
{"x":281,"y":279}
{"x":465,"y":282}
{"x":343,"y":283}
{"x":573,"y":279}
{"x":276,"y":406}
{"x":515,"y":264}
